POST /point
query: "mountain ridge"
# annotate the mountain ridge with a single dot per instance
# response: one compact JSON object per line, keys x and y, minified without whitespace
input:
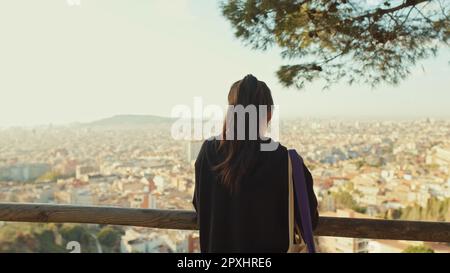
{"x":129,"y":120}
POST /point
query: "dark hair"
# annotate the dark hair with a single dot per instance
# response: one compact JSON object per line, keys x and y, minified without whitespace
{"x":241,"y":154}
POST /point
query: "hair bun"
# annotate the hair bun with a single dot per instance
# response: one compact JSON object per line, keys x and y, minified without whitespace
{"x":251,"y":82}
{"x":250,"y":77}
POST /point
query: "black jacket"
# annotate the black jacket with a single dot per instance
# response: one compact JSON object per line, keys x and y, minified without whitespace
{"x":255,"y":219}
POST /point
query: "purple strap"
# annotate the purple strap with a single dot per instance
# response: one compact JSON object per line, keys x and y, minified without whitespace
{"x":301,"y":194}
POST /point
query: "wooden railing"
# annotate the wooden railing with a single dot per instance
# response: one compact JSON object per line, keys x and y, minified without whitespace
{"x":179,"y":219}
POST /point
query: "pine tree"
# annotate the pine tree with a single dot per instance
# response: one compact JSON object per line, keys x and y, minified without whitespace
{"x":343,"y":40}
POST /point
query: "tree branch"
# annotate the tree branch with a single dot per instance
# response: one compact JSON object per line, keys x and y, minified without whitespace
{"x":381,"y":12}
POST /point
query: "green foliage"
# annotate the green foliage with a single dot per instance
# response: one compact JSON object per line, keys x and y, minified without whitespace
{"x":436,"y":210}
{"x":418,"y":249}
{"x":49,"y":176}
{"x":360,"y":163}
{"x":47,"y":241}
{"x":346,"y":40}
{"x":359,"y":209}
{"x":74,"y":233}
{"x":48,"y":238}
{"x":22,"y":238}
{"x":344,"y":199}
{"x":110,"y":238}
{"x":432,"y":167}
{"x":78,"y":233}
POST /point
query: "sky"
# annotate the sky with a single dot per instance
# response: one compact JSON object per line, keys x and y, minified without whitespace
{"x":61,"y":63}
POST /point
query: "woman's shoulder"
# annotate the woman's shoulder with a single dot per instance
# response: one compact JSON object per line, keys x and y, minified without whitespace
{"x":210,"y":147}
{"x":272,"y":145}
{"x":210,"y":144}
{"x":268,"y":144}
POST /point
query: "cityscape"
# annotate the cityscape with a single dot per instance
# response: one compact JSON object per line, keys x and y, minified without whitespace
{"x":385,"y":169}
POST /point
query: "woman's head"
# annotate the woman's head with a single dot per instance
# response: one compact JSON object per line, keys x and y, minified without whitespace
{"x":251,"y":99}
{"x":250,"y":91}
{"x":250,"y":110}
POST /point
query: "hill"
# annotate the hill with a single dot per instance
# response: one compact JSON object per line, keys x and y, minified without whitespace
{"x":130,"y":121}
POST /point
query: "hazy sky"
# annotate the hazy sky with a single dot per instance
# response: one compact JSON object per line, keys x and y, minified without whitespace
{"x":61,"y":63}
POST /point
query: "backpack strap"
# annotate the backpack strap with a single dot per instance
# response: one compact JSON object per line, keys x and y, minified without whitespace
{"x":302,"y":199}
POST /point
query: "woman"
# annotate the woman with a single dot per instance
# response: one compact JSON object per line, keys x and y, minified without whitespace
{"x":241,"y":192}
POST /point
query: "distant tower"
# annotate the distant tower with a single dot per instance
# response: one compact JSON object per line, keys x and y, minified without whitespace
{"x":149,"y":201}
